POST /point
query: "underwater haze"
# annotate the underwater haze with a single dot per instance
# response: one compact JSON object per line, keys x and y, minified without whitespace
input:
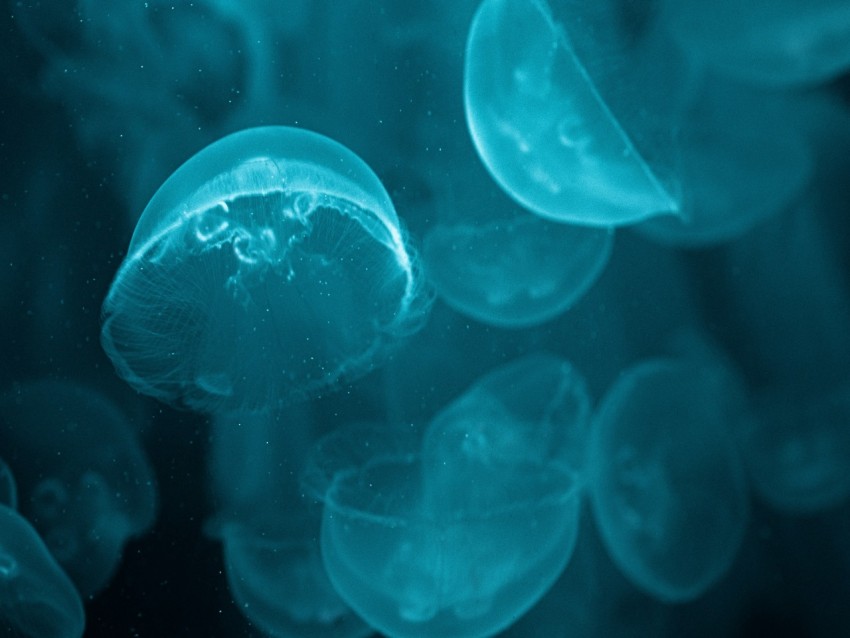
{"x":424,"y":319}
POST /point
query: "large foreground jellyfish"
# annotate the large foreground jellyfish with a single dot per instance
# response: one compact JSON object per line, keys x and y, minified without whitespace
{"x":775,"y":43}
{"x":37,"y":600}
{"x":459,"y":534}
{"x":567,"y":117}
{"x":269,"y":532}
{"x":84,"y":481}
{"x":797,"y":450}
{"x":269,"y":266}
{"x":515,"y":273}
{"x":668,"y":489}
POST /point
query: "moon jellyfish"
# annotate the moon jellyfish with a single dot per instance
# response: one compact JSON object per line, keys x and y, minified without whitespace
{"x":438,"y":538}
{"x":775,"y":43}
{"x":568,"y":118}
{"x":797,"y":450}
{"x":668,"y":490}
{"x":743,"y":161}
{"x":268,"y":267}
{"x":84,"y":481}
{"x":269,"y":532}
{"x":515,"y":273}
{"x":8,"y":486}
{"x":37,"y":600}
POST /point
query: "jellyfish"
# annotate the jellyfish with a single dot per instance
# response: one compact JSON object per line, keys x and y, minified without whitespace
{"x":269,"y":267}
{"x":8,"y":486}
{"x":772,"y":43}
{"x":668,"y":489}
{"x":84,"y":481}
{"x":433,"y":537}
{"x":38,"y":600}
{"x":797,"y":450}
{"x":745,"y":158}
{"x":517,"y":273}
{"x":568,"y":118}
{"x":269,"y":532}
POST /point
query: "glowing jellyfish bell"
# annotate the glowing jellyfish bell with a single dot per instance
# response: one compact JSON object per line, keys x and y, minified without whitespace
{"x":460,"y":533}
{"x":269,"y":266}
{"x":568,"y":117}
{"x":668,"y":490}
{"x":38,"y":599}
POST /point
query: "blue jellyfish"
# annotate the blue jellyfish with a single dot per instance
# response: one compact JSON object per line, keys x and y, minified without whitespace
{"x":8,"y":486}
{"x":568,"y":118}
{"x":460,"y":533}
{"x":774,"y":43}
{"x":745,"y":158}
{"x":38,"y":600}
{"x":268,"y":267}
{"x":515,"y":273}
{"x":668,"y":489}
{"x":269,"y":532}
{"x":797,"y":450}
{"x":84,"y":481}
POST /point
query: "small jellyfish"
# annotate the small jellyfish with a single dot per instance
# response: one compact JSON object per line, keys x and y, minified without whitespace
{"x":269,"y":531}
{"x":773,"y":43}
{"x":37,"y":600}
{"x":84,"y":481}
{"x":457,"y":535}
{"x":565,"y":139}
{"x":668,"y":490}
{"x":268,"y":267}
{"x":517,"y":273}
{"x":797,"y":450}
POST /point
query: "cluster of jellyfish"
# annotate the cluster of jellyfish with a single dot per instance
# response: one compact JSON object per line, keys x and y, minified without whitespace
{"x":272,"y":270}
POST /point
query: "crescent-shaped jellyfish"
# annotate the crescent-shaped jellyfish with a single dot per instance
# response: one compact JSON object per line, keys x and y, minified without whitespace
{"x":84,"y":481}
{"x":444,"y":538}
{"x":668,"y":489}
{"x":270,"y":266}
{"x":38,"y":600}
{"x":515,"y":273}
{"x":8,"y":486}
{"x":567,"y":140}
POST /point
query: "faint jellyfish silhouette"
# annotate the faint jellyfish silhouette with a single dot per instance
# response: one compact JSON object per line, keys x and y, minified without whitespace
{"x":415,"y":559}
{"x":745,"y":158}
{"x":515,"y":273}
{"x":797,"y":450}
{"x":38,"y":600}
{"x":269,"y":532}
{"x":667,"y":487}
{"x":268,"y":267}
{"x":8,"y":486}
{"x":567,"y":117}
{"x":84,"y":481}
{"x":776,"y":43}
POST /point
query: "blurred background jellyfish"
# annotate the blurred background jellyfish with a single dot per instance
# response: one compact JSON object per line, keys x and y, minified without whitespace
{"x":269,"y":531}
{"x":37,"y":599}
{"x":515,"y":273}
{"x":798,"y":451}
{"x":745,"y":158}
{"x":84,"y":481}
{"x":668,"y":490}
{"x":463,"y":535}
{"x":777,"y":43}
{"x":575,"y":119}
{"x":269,"y":267}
